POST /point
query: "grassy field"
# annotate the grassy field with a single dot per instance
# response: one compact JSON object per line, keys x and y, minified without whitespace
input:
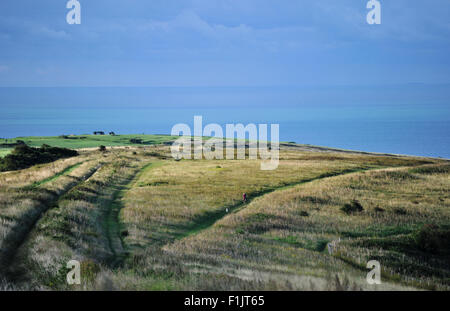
{"x":90,"y":141}
{"x":137,"y":219}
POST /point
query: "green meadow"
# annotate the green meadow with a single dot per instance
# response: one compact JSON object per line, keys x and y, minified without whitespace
{"x":90,"y":141}
{"x":137,"y":219}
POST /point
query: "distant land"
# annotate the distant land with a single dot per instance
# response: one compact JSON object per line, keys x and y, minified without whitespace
{"x":405,"y":119}
{"x":86,"y":141}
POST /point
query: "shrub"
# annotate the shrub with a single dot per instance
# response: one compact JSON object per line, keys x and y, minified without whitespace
{"x":432,"y":239}
{"x":102,"y":148}
{"x":352,"y":207}
{"x":136,"y":141}
{"x":24,"y":156}
{"x":441,"y":169}
{"x":400,"y":211}
{"x":89,"y":270}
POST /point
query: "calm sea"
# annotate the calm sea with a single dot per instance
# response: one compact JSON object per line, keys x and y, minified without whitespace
{"x":408,"y":119}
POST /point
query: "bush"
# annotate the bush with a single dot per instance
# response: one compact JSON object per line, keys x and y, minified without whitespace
{"x":136,"y":141}
{"x":432,"y":239}
{"x":89,"y":270}
{"x":352,"y":207}
{"x":24,"y":156}
{"x":102,"y":148}
{"x":400,"y":211}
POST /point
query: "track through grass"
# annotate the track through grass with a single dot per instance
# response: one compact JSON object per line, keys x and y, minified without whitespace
{"x":209,"y":219}
{"x":113,"y":228}
{"x":17,"y":237}
{"x":66,"y":171}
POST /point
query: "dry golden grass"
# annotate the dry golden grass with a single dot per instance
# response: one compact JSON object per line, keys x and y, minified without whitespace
{"x":37,"y":173}
{"x":81,"y":226}
{"x":173,"y":198}
{"x":287,"y":231}
{"x":170,"y":208}
{"x":20,"y":207}
{"x":177,"y":233}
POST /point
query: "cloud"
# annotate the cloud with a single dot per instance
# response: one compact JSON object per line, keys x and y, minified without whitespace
{"x":48,"y":32}
{"x":13,"y":27}
{"x":195,"y":32}
{"x":190,"y":20}
{"x":281,"y":39}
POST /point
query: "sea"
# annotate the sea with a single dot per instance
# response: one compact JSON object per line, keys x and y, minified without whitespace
{"x":410,"y":119}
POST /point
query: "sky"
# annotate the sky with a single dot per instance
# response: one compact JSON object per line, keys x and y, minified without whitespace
{"x":223,"y":43}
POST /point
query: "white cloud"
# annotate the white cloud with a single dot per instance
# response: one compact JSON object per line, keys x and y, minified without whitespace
{"x":19,"y":28}
{"x":50,"y":33}
{"x":189,"y":20}
{"x":240,"y":35}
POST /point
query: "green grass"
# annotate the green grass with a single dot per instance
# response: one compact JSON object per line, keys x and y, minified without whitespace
{"x":113,"y":227}
{"x":56,"y":176}
{"x":4,"y":152}
{"x":90,"y":141}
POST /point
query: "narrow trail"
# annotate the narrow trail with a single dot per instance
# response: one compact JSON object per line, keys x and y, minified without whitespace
{"x":20,"y":232}
{"x":114,"y":230}
{"x":66,"y":171}
{"x":248,"y":274}
{"x":208,"y":220}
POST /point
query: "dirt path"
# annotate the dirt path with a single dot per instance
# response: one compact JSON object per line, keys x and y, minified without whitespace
{"x":208,"y":220}
{"x":114,"y":230}
{"x":19,"y":233}
{"x":66,"y":171}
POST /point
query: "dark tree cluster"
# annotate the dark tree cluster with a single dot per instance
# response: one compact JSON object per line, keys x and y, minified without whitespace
{"x":24,"y":156}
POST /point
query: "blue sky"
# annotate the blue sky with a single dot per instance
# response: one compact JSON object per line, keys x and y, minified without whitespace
{"x":223,"y":43}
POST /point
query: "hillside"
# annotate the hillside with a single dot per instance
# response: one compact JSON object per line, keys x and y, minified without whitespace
{"x":137,"y":219}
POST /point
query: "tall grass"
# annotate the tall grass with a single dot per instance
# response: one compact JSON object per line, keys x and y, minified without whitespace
{"x":83,"y":226}
{"x":137,"y":219}
{"x":273,"y":235}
